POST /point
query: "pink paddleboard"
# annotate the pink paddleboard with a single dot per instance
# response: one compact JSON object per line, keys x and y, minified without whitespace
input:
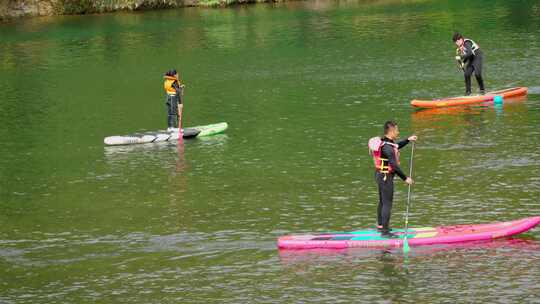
{"x":371,"y":238}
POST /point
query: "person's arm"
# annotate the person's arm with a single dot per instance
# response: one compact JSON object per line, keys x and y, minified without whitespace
{"x":388,"y":152}
{"x":467,"y":51}
{"x":178,"y":88}
{"x":403,"y":143}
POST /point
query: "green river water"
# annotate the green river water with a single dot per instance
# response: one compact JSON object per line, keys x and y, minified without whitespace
{"x":303,"y":86}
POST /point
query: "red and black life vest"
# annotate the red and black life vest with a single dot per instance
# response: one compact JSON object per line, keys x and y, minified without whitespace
{"x":381,"y":164}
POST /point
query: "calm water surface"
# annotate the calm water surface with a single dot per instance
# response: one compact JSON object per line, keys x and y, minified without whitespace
{"x":303,"y":86}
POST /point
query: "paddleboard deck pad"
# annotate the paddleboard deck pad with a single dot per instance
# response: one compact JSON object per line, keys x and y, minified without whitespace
{"x":371,"y":238}
{"x":465,"y":100}
{"x":163,"y":135}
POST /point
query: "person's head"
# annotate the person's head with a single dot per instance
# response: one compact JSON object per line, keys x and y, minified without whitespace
{"x":391,"y":130}
{"x":458,"y":39}
{"x":171,"y":73}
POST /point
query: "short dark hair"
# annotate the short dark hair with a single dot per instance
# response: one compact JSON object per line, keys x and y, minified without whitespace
{"x":389,"y":125}
{"x":456,"y":36}
{"x":170,"y":72}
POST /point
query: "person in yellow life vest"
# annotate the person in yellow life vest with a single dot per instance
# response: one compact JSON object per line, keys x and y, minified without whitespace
{"x":174,"y":90}
{"x":385,"y":152}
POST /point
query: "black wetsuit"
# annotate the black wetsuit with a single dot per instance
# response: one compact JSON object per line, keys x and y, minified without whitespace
{"x":172,"y":103}
{"x":473,"y":63}
{"x":385,"y":182}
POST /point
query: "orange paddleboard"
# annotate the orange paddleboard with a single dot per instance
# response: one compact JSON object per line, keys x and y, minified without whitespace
{"x":465,"y":100}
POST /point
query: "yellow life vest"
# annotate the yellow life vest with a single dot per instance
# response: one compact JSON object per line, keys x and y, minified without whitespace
{"x":168,"y":84}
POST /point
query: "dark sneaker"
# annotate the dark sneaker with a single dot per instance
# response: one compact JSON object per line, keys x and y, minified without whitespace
{"x":482,"y":92}
{"x":388,"y":235}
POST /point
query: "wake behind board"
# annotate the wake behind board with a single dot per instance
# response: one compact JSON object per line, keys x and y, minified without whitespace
{"x":371,"y":238}
{"x":163,"y":135}
{"x":466,"y":100}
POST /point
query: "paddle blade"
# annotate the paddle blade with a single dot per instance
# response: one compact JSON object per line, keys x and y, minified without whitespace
{"x":406,"y":248}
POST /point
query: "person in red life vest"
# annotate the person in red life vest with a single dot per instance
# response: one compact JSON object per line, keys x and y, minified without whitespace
{"x":470,"y":58}
{"x":385,"y":152}
{"x":175,"y":91}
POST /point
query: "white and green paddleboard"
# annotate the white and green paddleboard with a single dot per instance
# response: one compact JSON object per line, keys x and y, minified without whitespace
{"x":163,"y":135}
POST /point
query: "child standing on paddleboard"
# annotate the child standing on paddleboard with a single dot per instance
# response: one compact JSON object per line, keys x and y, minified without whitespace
{"x":385,"y":152}
{"x":470,"y":58}
{"x":174,"y":90}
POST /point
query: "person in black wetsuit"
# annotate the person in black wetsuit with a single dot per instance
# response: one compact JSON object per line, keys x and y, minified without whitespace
{"x":470,"y":58}
{"x":386,"y":166}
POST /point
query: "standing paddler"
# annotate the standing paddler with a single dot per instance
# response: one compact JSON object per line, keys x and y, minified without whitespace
{"x":174,"y":90}
{"x":469,"y":58}
{"x":385,"y":152}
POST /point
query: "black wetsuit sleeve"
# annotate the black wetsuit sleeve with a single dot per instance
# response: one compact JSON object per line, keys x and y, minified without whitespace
{"x":175,"y":86}
{"x":178,"y":90}
{"x":467,"y":47}
{"x":388,"y":153}
{"x":402,"y":143}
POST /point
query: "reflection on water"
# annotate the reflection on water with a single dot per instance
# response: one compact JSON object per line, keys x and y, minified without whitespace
{"x":534,"y":90}
{"x":432,"y":271}
{"x":317,"y":256}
